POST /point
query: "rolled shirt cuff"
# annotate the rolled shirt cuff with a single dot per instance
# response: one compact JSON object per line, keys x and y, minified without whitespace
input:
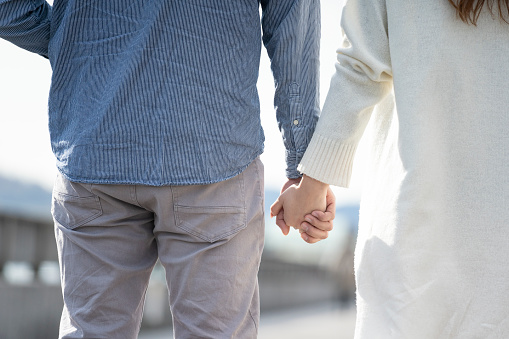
{"x":292,"y":160}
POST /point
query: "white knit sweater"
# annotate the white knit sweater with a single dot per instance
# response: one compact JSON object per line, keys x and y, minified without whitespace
{"x":432,"y":258}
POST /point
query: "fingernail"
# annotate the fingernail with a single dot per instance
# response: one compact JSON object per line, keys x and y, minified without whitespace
{"x":315,"y":214}
{"x":308,"y":219}
{"x":305,"y":228}
{"x":305,"y":237}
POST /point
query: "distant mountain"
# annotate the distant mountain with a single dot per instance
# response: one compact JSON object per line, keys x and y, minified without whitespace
{"x":351,"y":213}
{"x":24,"y":199}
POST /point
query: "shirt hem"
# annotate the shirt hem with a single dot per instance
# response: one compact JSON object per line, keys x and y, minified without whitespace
{"x":159,"y":184}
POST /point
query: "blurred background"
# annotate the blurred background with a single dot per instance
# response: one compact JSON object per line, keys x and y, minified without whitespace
{"x":306,"y":290}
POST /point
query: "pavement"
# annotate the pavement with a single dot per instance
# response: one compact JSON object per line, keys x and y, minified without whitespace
{"x":323,"y":321}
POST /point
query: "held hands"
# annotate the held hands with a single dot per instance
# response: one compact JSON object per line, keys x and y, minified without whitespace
{"x":309,"y":207}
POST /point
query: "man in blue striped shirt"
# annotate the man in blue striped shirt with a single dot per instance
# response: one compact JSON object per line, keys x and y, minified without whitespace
{"x":155,"y":125}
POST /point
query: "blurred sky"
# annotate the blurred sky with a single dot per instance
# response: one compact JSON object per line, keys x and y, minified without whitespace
{"x":25,"y":152}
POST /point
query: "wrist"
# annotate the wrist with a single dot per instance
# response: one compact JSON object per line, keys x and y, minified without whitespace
{"x":310,"y":184}
{"x":295,"y":181}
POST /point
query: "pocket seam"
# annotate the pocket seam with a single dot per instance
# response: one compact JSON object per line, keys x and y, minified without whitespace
{"x":211,"y":209}
{"x":64,"y":197}
{"x":179,"y":211}
{"x":209,"y":239}
{"x":208,"y":209}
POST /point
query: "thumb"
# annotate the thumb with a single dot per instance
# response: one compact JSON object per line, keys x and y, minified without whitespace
{"x":276,"y":207}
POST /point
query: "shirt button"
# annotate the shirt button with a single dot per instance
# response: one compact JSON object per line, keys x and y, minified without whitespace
{"x":296,"y":122}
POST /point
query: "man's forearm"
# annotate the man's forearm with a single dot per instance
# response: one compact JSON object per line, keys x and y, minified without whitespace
{"x":26,"y":24}
{"x":291,"y":34}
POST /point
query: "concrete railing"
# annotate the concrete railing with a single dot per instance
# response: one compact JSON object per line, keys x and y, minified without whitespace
{"x":30,"y":305}
{"x":26,"y":240}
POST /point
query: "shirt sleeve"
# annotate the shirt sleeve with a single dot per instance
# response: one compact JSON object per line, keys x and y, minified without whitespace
{"x":291,"y":35}
{"x":26,"y":23}
{"x":363,"y":78}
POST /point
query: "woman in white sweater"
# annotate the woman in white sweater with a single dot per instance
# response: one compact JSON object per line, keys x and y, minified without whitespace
{"x":432,"y":256}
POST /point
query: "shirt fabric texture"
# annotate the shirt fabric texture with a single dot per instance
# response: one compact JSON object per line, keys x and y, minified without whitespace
{"x":164,"y":92}
{"x":432,"y":259}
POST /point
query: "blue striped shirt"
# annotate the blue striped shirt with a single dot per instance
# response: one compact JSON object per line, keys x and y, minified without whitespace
{"x":164,"y":92}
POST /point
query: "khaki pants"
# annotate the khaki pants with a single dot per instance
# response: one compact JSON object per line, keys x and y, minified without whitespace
{"x":209,"y":238}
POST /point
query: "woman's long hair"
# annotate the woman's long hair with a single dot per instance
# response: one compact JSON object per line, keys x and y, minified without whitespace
{"x":469,"y":10}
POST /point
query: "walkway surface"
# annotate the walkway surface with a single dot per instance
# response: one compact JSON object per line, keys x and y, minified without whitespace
{"x":325,"y":321}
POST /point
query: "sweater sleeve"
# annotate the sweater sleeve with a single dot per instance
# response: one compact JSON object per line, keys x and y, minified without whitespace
{"x":362,"y":79}
{"x":26,"y":23}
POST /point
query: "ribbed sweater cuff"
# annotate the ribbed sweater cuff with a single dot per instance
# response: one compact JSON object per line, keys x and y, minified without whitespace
{"x":328,"y":161}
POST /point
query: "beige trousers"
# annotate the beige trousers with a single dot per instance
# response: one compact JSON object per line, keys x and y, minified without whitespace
{"x":209,"y":238}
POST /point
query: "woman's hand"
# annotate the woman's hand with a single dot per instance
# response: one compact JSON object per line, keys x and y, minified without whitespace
{"x":309,"y":207}
{"x":318,"y":224}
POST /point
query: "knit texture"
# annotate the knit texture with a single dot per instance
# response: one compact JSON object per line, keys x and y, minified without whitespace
{"x":432,"y":259}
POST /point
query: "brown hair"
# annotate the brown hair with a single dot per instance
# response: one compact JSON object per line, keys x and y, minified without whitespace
{"x":469,"y":10}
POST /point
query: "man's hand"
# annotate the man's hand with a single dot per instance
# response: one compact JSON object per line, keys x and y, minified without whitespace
{"x":280,"y":217}
{"x":309,"y":207}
